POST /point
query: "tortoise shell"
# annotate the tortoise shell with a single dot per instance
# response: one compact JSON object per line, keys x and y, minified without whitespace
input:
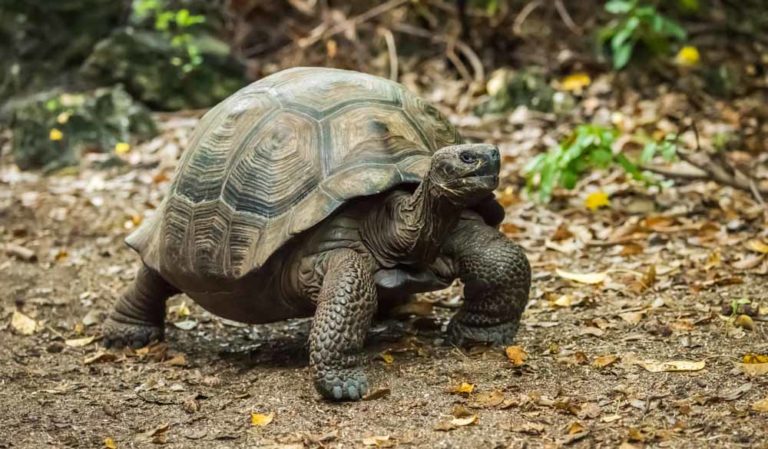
{"x":278,"y":157}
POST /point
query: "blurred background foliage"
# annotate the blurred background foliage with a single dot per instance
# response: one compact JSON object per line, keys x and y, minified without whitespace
{"x":123,"y":59}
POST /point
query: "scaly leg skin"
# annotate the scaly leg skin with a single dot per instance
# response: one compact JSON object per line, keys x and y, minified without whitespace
{"x":138,"y":316}
{"x":497,"y":280}
{"x":345,"y":307}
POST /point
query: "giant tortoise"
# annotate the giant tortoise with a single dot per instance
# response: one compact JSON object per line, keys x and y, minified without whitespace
{"x":327,"y":193}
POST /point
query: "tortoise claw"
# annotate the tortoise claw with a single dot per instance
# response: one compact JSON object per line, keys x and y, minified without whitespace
{"x":118,"y":334}
{"x":463,"y":335}
{"x":342,"y":385}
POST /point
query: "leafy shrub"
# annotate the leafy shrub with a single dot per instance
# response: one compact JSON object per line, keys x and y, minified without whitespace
{"x":588,"y":148}
{"x":637,"y":25}
{"x":178,"y":26}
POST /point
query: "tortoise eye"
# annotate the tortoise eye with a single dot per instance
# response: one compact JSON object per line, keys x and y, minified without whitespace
{"x":467,"y":157}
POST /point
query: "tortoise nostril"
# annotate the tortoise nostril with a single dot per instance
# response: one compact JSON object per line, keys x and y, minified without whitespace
{"x":467,"y":157}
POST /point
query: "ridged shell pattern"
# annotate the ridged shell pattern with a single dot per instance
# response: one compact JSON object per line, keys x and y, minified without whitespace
{"x":278,"y":157}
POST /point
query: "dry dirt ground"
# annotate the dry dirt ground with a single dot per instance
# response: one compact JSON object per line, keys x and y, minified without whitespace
{"x":663,"y":274}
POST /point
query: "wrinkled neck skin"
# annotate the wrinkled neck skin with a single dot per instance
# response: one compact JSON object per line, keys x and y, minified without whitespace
{"x":410,"y":228}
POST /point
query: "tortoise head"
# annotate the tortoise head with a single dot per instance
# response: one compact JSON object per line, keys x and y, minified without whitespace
{"x":465,"y":172}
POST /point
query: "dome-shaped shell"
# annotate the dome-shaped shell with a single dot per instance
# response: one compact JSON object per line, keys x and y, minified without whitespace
{"x":278,"y":157}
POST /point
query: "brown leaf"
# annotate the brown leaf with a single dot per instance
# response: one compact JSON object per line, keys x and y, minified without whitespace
{"x":583,"y":278}
{"x":377,"y":394}
{"x":177,"y":360}
{"x":459,"y":411}
{"x":605,"y":360}
{"x":761,"y":405}
{"x":100,"y":357}
{"x":79,"y":342}
{"x":754,"y":369}
{"x":577,"y":358}
{"x":463,"y":388}
{"x":378,"y":441}
{"x":455,"y":423}
{"x":487,"y":399}
{"x":672,"y":366}
{"x":632,"y":317}
{"x":758,"y":246}
{"x":744,"y":322}
{"x":531,"y":428}
{"x":516,"y":355}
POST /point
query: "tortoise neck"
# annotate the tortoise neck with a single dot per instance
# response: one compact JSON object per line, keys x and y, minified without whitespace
{"x":411,"y":228}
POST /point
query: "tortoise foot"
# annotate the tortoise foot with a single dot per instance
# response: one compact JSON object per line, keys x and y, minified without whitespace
{"x":342,"y":385}
{"x":501,"y":334}
{"x":118,"y":334}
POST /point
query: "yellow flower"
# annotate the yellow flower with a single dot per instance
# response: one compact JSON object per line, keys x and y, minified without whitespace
{"x":55,"y":134}
{"x":575,"y":81}
{"x":122,"y":147}
{"x":688,"y":56}
{"x":596,"y":200}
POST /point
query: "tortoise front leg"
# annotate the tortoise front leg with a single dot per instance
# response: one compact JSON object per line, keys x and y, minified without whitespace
{"x":497,"y":280}
{"x":345,"y":307}
{"x":138,"y":316}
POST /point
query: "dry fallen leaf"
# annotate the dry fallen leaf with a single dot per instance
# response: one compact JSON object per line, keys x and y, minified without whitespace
{"x":605,"y":360}
{"x":754,"y":369}
{"x":516,"y":355}
{"x":487,"y":399}
{"x":101,"y":356}
{"x":672,"y":366}
{"x":751,"y":357}
{"x":177,"y":360}
{"x":260,"y":419}
{"x":377,"y":394}
{"x":531,"y":428}
{"x":109,"y":443}
{"x":378,"y":441}
{"x":567,"y":301}
{"x":462,"y":388}
{"x":387,"y":357}
{"x":23,"y":324}
{"x":758,"y":246}
{"x":584,"y":278}
{"x":761,"y":405}
{"x":744,"y":322}
{"x":465,"y":421}
{"x":79,"y":342}
{"x":632,"y":317}
{"x":575,"y":427}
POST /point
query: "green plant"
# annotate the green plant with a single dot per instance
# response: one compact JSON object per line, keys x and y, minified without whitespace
{"x":177,"y":25}
{"x":590,"y":147}
{"x":637,"y":24}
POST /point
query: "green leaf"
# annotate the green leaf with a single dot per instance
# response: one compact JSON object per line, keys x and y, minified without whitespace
{"x":620,"y":6}
{"x":622,"y":55}
{"x":649,"y":151}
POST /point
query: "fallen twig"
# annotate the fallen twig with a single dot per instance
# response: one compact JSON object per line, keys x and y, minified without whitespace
{"x":389,"y":38}
{"x":567,"y":20}
{"x":711,"y":167}
{"x":320,"y":32}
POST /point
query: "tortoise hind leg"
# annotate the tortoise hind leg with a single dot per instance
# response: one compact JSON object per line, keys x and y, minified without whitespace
{"x":138,"y":316}
{"x":345,"y":307}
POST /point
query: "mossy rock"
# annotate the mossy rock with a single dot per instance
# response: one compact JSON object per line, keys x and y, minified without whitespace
{"x":150,"y":68}
{"x":53,"y":129}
